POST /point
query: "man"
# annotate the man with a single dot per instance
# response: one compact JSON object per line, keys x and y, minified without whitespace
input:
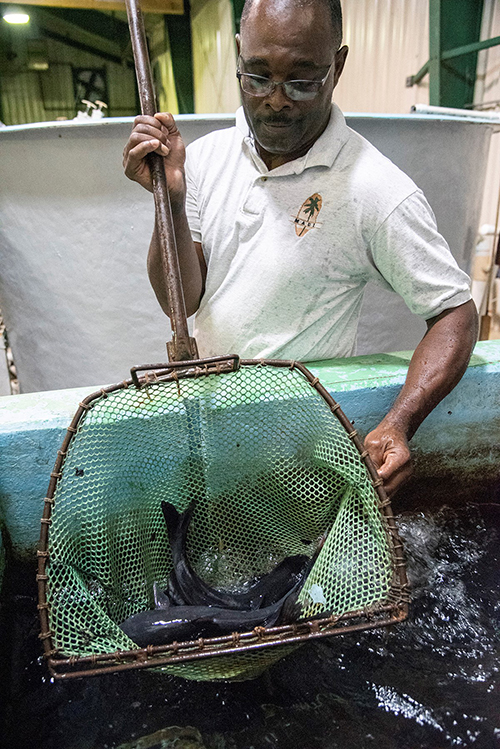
{"x":282,"y":220}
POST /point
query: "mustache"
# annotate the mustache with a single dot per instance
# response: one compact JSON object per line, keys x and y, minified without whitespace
{"x":277,"y":119}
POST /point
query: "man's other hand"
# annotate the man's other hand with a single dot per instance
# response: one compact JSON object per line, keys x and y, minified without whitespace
{"x":158,"y":134}
{"x":388,"y":448}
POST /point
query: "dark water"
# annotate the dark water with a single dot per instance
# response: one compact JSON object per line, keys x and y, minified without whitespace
{"x":430,"y":683}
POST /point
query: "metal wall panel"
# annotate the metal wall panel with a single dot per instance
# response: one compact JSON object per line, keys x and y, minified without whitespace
{"x":491,"y":93}
{"x":22,"y":98}
{"x":161,"y":64}
{"x":56,"y":89}
{"x":388,"y":40}
{"x":214,"y":56}
{"x":120,"y":79}
{"x":121,"y":91}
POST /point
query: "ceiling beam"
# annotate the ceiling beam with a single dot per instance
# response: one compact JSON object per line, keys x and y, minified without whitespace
{"x":174,"y":7}
{"x":108,"y":25}
{"x":74,"y":35}
{"x":86,"y":48}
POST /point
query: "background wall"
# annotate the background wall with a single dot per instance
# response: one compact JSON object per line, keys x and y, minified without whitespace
{"x":161,"y":61}
{"x":388,"y":40}
{"x":44,"y":95}
{"x":214,"y":56}
{"x":488,"y":91}
{"x":61,"y":56}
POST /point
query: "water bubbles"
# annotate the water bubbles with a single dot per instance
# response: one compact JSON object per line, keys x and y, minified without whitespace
{"x":443,"y":569}
{"x":404,"y":705}
{"x":222,"y":568}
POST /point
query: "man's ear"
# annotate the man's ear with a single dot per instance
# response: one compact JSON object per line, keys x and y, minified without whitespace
{"x":238,"y":43}
{"x":340,"y":58}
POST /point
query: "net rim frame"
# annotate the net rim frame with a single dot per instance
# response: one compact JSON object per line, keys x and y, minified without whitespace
{"x":396,"y":610}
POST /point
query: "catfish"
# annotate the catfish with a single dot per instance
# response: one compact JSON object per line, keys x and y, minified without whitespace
{"x":186,"y":588}
{"x":171,"y":623}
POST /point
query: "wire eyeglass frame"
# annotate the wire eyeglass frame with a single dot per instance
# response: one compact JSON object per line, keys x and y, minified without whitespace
{"x":296,"y":90}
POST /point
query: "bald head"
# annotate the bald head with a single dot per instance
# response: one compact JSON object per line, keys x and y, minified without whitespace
{"x":334,"y":11}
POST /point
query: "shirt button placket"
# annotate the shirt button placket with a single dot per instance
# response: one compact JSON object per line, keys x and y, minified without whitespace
{"x":253,"y":202}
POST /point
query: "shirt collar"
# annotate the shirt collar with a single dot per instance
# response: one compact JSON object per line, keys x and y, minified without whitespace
{"x":323,"y":152}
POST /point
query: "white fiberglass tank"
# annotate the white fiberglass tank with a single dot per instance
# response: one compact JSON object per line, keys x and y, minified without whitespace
{"x":74,"y":236}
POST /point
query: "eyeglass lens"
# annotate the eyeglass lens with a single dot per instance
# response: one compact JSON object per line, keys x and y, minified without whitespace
{"x":295,"y":90}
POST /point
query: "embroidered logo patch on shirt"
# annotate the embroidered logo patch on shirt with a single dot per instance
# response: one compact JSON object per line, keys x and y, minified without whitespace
{"x":307,"y":217}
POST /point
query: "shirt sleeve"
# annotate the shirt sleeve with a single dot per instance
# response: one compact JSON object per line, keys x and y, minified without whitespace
{"x":192,"y":210}
{"x":409,"y":255}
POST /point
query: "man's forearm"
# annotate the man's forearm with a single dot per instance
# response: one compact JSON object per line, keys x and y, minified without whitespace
{"x":437,"y":365}
{"x":192,"y":272}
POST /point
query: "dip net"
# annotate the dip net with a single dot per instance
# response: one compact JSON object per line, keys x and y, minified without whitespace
{"x":270,"y":463}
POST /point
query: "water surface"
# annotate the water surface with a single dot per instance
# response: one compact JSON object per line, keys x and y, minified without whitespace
{"x":429,"y":683}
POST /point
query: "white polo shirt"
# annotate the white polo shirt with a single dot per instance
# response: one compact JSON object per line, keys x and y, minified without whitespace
{"x":290,"y":250}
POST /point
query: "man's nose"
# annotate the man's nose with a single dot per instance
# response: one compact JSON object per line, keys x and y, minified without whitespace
{"x":278,"y":100}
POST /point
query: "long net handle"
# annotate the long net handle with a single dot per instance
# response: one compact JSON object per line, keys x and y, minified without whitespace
{"x":180,"y":348}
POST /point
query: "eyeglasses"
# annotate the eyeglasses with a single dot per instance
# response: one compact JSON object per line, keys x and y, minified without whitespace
{"x":299,"y":90}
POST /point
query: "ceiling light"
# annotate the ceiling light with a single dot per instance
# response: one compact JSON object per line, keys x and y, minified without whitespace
{"x":15,"y":15}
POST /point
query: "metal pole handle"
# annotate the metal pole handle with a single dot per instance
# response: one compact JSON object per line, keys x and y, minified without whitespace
{"x":182,"y":347}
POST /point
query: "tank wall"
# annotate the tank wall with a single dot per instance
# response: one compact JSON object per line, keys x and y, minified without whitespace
{"x":448,"y":161}
{"x":457,"y":441}
{"x":75,"y":232}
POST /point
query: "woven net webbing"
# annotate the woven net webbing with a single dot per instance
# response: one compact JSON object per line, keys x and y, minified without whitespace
{"x":269,"y":468}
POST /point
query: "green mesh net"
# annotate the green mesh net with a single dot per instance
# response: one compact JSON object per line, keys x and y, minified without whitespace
{"x":269,"y":468}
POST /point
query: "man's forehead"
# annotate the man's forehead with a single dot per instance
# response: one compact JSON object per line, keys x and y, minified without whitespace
{"x":300,"y":28}
{"x":278,"y":7}
{"x":298,"y":62}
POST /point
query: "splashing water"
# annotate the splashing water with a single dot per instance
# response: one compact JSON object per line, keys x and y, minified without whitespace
{"x":404,"y":705}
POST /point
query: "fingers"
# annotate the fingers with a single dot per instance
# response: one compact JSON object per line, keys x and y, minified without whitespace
{"x":143,"y":134}
{"x":166,"y":120}
{"x":158,"y":134}
{"x":161,"y":126}
{"x":148,"y":129}
{"x":395,"y":471}
{"x":134,"y":165}
{"x":391,"y":456}
{"x":149,"y":134}
{"x":395,"y":483}
{"x":146,"y":137}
